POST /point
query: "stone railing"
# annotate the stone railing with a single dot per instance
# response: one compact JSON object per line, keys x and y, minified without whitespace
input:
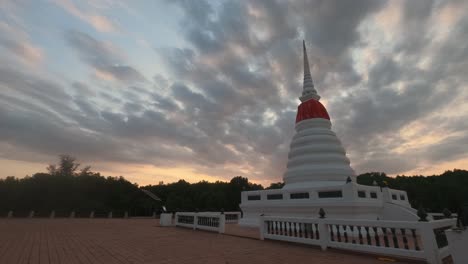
{"x":415,"y":240}
{"x":232,"y":217}
{"x":70,"y":214}
{"x":203,"y":221}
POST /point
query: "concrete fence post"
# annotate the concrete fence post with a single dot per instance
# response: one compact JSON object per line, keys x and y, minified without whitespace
{"x":195,"y":221}
{"x":10,"y":214}
{"x":52,"y":214}
{"x":126,"y":214}
{"x":72,"y":214}
{"x":31,"y":214}
{"x":222,"y":223}
{"x":91,"y":215}
{"x":323,"y":234}
{"x":431,"y":250}
{"x":109,"y":215}
{"x":262,"y":227}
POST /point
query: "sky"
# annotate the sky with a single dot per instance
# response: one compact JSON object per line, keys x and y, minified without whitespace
{"x":208,"y":90}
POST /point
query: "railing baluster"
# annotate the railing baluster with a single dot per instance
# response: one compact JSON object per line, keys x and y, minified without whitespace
{"x":395,"y":239}
{"x":354,"y":237}
{"x":376,"y":236}
{"x":368,"y":237}
{"x":360,"y":234}
{"x":385,"y":234}
{"x":338,"y":232}
{"x":317,"y":234}
{"x":415,"y":239}
{"x":345,"y":233}
{"x":332,"y":237}
{"x":405,"y":240}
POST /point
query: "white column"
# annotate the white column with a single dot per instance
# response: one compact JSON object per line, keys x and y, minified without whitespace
{"x":323,"y":233}
{"x":222,"y":223}
{"x":262,"y":227}
{"x":458,"y":239}
{"x":431,"y":250}
{"x":195,"y":221}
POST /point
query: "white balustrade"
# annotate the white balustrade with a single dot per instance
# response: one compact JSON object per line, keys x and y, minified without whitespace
{"x":232,"y":217}
{"x":415,"y":240}
{"x":203,"y":221}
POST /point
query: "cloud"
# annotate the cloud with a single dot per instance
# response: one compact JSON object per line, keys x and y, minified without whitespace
{"x":18,"y":42}
{"x":104,"y":57}
{"x":99,"y":22}
{"x":226,"y":103}
{"x":256,"y":44}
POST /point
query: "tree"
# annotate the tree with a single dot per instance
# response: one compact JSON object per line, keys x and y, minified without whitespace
{"x":67,"y":166}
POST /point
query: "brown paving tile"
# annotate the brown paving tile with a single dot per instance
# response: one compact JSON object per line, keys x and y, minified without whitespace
{"x":94,"y":241}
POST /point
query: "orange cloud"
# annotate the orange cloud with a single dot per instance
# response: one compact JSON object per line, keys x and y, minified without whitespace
{"x":99,"y":22}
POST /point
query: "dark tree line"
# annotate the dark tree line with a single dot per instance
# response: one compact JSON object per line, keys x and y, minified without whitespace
{"x":66,"y":187}
{"x":447,"y":190}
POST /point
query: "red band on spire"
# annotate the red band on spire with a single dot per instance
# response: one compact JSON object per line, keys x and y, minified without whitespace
{"x":311,"y":109}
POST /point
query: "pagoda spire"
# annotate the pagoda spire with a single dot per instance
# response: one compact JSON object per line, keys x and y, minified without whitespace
{"x":309,"y":91}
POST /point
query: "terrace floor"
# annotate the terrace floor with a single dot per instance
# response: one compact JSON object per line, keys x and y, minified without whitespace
{"x":86,"y":241}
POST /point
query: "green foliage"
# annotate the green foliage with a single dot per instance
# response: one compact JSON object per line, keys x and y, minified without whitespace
{"x":65,"y":188}
{"x":448,"y":190}
{"x":276,"y":185}
{"x":203,"y":196}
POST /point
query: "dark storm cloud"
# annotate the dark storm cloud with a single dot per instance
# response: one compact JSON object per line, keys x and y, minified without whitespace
{"x":102,"y":56}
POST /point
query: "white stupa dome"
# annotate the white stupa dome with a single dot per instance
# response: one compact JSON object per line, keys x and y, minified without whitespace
{"x":316,"y":156}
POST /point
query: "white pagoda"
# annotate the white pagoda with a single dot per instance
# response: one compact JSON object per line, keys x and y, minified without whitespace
{"x":319,"y":175}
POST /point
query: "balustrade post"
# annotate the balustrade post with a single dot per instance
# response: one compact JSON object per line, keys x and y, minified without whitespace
{"x":31,"y":214}
{"x":262,"y":227}
{"x":10,"y":214}
{"x":72,"y":214}
{"x":195,"y":221}
{"x":126,"y":214}
{"x":222,"y":223}
{"x":324,"y":236}
{"x":431,"y":250}
{"x":52,"y":214}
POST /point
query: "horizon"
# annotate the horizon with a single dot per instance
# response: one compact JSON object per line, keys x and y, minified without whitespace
{"x":162,"y":91}
{"x":264,"y":184}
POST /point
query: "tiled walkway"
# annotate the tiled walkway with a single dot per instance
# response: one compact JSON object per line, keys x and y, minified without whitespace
{"x":85,"y":241}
